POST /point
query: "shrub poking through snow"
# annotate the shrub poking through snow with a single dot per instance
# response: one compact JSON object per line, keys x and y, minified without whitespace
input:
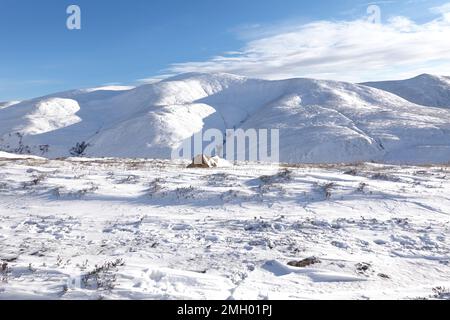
{"x":273,"y":183}
{"x":91,"y":189}
{"x":221,"y":180}
{"x":131,"y":179}
{"x":77,"y":194}
{"x":326,"y":189}
{"x":102,"y":277}
{"x":384,"y":177}
{"x":44,"y":148}
{"x":4,"y":272}
{"x":79,"y":149}
{"x":185,"y":193}
{"x":441,"y":293}
{"x":304,"y":263}
{"x":362,"y":187}
{"x":280,"y":177}
{"x":35,"y":181}
{"x":155,"y":187}
{"x":363,"y":267}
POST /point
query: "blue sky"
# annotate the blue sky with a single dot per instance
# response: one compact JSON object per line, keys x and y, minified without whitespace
{"x":125,"y":41}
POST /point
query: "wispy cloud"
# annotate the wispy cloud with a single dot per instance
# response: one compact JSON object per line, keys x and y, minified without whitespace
{"x":153,"y":79}
{"x":343,"y":50}
{"x":445,"y":8}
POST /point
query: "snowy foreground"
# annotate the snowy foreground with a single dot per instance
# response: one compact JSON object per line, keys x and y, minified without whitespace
{"x":131,"y":229}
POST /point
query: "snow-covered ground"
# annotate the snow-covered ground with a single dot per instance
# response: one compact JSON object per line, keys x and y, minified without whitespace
{"x":135,"y":229}
{"x":6,"y":155}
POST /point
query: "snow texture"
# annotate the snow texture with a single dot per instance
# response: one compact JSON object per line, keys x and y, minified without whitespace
{"x":153,"y":229}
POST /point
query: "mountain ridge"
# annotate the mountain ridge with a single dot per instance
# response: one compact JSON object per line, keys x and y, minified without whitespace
{"x":425,"y":89}
{"x":320,"y":121}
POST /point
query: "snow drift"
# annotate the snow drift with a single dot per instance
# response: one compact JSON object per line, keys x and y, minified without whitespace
{"x":319,"y":121}
{"x":9,"y":156}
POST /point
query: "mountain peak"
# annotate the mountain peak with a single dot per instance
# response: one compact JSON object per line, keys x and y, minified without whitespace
{"x":425,"y":89}
{"x":428,"y":76}
{"x":204,"y":75}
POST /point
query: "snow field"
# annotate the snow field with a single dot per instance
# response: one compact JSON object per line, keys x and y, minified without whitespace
{"x":152,"y":229}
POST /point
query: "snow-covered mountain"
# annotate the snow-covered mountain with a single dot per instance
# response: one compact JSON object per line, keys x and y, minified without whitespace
{"x":426,"y":89}
{"x":8,"y":104}
{"x":319,"y":121}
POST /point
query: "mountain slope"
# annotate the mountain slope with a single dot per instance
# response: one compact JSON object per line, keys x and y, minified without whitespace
{"x":426,"y":90}
{"x":319,"y":121}
{"x":8,"y":104}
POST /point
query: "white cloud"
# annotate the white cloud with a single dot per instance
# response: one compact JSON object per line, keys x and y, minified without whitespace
{"x":154,"y":79}
{"x":342,"y":50}
{"x":443,"y":9}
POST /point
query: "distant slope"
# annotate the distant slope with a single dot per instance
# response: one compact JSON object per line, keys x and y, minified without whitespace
{"x":319,"y":121}
{"x":426,"y":90}
{"x":8,"y":104}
